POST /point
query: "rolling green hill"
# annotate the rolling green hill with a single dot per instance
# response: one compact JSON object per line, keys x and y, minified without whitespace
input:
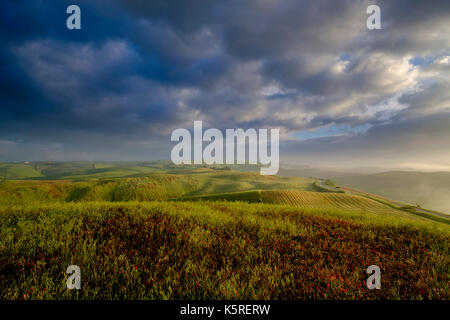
{"x":163,"y":232}
{"x":18,"y":171}
{"x":429,"y":190}
{"x":84,"y":170}
{"x":155,"y":186}
{"x":77,"y":170}
{"x":315,"y":200}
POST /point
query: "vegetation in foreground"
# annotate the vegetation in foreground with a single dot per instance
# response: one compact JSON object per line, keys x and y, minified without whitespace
{"x":217,"y":250}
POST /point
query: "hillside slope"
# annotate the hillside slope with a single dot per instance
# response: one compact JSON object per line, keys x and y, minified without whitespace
{"x":312,"y":200}
{"x":429,"y":190}
{"x":157,"y":186}
{"x":85,"y":170}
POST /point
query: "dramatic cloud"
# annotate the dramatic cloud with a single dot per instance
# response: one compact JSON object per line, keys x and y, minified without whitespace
{"x":115,"y":89}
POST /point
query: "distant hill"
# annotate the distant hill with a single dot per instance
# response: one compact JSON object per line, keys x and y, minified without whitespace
{"x":427,"y":189}
{"x":84,"y":170}
{"x":153,"y":186}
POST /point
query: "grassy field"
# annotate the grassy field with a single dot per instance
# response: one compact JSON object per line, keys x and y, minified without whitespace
{"x":221,"y":250}
{"x":211,"y":233}
{"x":322,"y":200}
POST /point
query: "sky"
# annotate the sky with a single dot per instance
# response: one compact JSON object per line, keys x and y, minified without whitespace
{"x":341,"y":94}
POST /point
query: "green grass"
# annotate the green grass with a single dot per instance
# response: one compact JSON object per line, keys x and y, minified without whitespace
{"x":247,"y":196}
{"x":18,"y":171}
{"x":221,"y":250}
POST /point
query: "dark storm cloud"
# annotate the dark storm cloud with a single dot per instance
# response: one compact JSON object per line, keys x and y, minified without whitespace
{"x":139,"y":69}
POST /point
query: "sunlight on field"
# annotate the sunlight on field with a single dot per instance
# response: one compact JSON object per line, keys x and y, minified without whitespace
{"x":222,"y":250}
